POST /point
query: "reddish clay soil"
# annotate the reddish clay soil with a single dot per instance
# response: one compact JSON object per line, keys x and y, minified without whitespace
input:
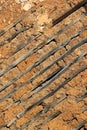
{"x":43,"y":65}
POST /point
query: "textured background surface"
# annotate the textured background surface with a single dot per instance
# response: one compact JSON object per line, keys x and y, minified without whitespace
{"x":27,"y":47}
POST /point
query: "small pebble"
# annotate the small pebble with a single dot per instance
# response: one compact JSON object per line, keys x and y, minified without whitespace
{"x":26,"y":7}
{"x":23,"y":0}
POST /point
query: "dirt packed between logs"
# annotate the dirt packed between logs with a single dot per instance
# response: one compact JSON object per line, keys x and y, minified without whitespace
{"x":43,"y":65}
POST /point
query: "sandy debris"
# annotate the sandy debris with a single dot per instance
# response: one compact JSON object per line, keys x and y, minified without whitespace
{"x":27,"y":4}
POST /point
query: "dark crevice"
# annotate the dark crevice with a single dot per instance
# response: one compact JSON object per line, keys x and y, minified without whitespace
{"x":69,"y":12}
